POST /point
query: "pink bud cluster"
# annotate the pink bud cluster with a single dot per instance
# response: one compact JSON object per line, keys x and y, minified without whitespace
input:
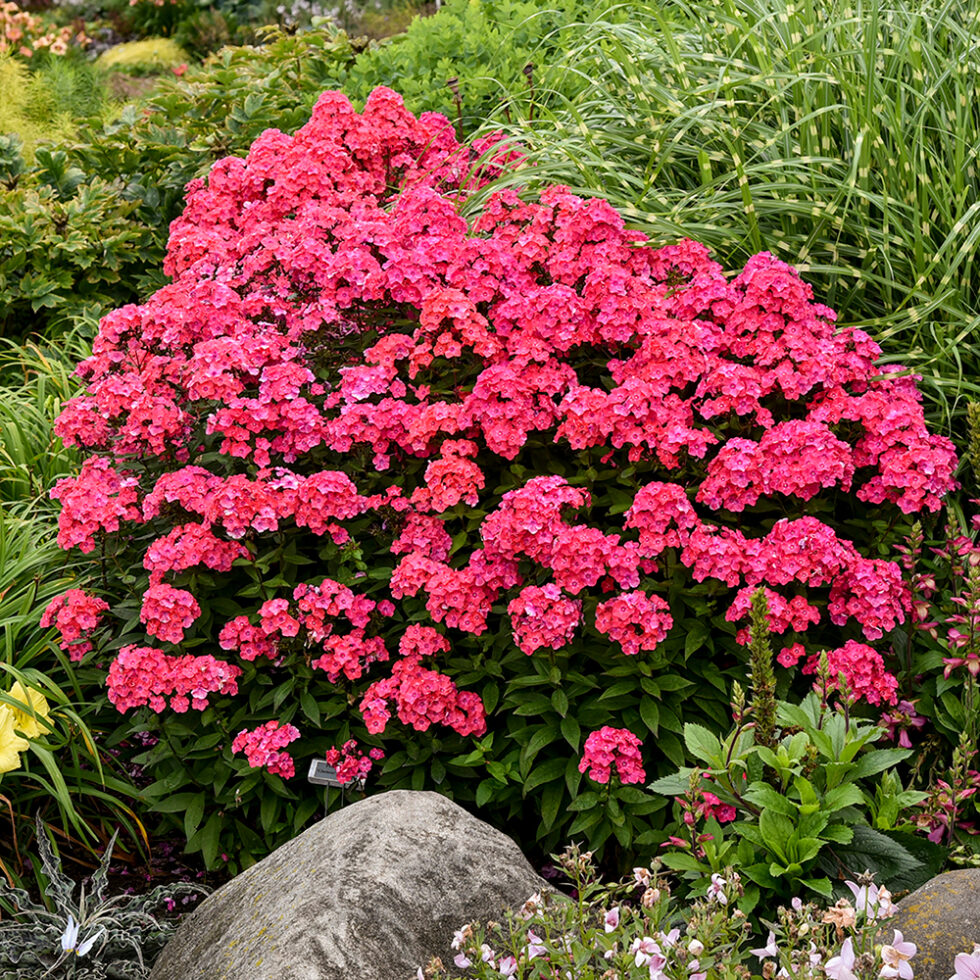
{"x":541,"y":326}
{"x":74,"y":614}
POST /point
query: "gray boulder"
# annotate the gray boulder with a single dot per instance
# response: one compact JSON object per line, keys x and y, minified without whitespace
{"x":942,"y":918}
{"x":369,"y":893}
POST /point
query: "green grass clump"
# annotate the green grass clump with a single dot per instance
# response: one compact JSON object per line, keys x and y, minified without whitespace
{"x":841,"y":136}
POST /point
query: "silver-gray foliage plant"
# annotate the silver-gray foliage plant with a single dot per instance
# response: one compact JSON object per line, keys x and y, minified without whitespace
{"x":95,"y":937}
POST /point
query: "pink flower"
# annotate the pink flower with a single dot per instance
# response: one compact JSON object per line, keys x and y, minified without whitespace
{"x":895,"y":957}
{"x":611,"y":921}
{"x":716,"y":890}
{"x":769,"y":950}
{"x":262,"y":747}
{"x":967,"y":965}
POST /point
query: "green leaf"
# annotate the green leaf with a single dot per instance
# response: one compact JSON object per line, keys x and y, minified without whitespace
{"x":821,"y":886}
{"x":650,"y":713}
{"x":776,"y":830}
{"x":209,"y":839}
{"x":310,"y":708}
{"x":571,"y":731}
{"x":559,"y":700}
{"x":584,"y":801}
{"x":842,"y":796}
{"x":544,"y":773}
{"x":675,"y":785}
{"x":871,"y":849}
{"x":763,"y":795}
{"x":543,"y":736}
{"x":878,"y":760}
{"x":193,"y":815}
{"x":486,"y":790}
{"x":680,"y":861}
{"x":703,"y":745}
{"x":551,"y":800}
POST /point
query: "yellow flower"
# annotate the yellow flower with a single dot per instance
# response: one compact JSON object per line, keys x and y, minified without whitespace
{"x":11,"y":744}
{"x":24,"y":721}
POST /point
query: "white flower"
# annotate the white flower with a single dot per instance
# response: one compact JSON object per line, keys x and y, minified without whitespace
{"x":69,"y":938}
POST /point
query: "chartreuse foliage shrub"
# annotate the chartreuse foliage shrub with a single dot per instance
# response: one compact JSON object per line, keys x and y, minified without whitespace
{"x":476,"y":484}
{"x":150,"y":56}
{"x":842,"y":137}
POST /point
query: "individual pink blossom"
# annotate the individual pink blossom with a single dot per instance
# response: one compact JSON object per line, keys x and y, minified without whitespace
{"x":895,"y":957}
{"x":716,"y":890}
{"x":770,"y":950}
{"x":967,"y":965}
{"x":900,"y":720}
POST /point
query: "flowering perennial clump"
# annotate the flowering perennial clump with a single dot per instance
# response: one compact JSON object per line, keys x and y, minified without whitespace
{"x":390,"y":434}
{"x":25,"y":34}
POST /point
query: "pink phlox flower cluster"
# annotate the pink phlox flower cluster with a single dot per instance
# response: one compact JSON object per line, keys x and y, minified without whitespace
{"x":286,"y":257}
{"x":350,"y":654}
{"x":451,"y":478}
{"x":97,"y":500}
{"x":862,"y":667}
{"x":663,"y":518}
{"x":249,"y":640}
{"x":350,"y":762}
{"x":541,"y":616}
{"x":315,"y":603}
{"x":461,"y":598}
{"x":166,"y":612}
{"x":422,"y":698}
{"x":784,"y":614}
{"x":263,"y":747}
{"x":146,"y":676}
{"x":870,"y":591}
{"x":424,"y":535}
{"x":75,"y":614}
{"x":612,"y":748}
{"x":634,"y":620}
{"x":187,"y":546}
{"x":914,"y":467}
{"x":796,"y":458}
{"x":422,"y":641}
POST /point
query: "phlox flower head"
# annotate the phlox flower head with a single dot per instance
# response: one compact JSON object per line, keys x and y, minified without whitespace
{"x":263,"y":747}
{"x":612,"y":748}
